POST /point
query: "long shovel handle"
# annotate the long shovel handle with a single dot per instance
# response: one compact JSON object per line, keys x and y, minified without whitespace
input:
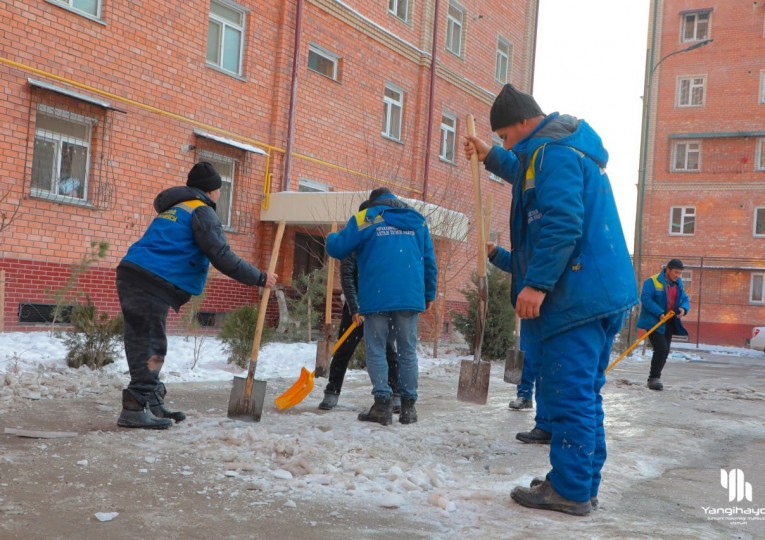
{"x":664,"y":319}
{"x":345,"y":335}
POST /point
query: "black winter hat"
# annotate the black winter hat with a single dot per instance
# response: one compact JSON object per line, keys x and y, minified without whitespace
{"x":675,"y":263}
{"x":378,"y":192}
{"x":204,"y":176}
{"x":512,"y":106}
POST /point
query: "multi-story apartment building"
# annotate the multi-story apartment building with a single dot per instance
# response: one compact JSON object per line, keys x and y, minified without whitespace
{"x":302,"y":106}
{"x":701,"y":191}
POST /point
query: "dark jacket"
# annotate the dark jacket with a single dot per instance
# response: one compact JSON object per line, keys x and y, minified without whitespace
{"x":179,"y":245}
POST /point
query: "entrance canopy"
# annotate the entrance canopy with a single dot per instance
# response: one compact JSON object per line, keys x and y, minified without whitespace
{"x":324,"y":207}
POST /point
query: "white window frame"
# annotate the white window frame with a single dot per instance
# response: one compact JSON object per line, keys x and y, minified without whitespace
{"x":59,"y":139}
{"x":495,"y":141}
{"x":223,"y":24}
{"x":689,"y":148}
{"x":760,"y":155}
{"x":757,"y":281}
{"x":393,"y":112}
{"x":687,"y":216}
{"x":504,"y":60}
{"x":762,"y":87}
{"x":761,"y":217}
{"x":399,"y":9}
{"x":455,"y":23}
{"x":333,"y":59}
{"x":691,"y":91}
{"x":76,"y":5}
{"x":306,"y":185}
{"x":448,"y":148}
{"x":690,"y":22}
{"x":225,"y":205}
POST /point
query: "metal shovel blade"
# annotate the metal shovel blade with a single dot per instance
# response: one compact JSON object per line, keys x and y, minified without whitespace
{"x":240,"y":407}
{"x":513,"y":366}
{"x":473,"y":385}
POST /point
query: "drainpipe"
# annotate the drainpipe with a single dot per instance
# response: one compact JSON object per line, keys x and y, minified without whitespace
{"x":431,"y":98}
{"x":293,"y":96}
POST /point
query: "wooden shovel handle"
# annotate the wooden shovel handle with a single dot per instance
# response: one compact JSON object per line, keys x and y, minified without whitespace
{"x":664,"y":319}
{"x":330,"y":284}
{"x":474,"y":167}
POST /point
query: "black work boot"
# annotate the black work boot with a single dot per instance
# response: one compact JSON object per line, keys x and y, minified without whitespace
{"x":535,"y":436}
{"x":135,"y":415}
{"x":544,"y":497}
{"x":329,"y":402}
{"x":408,"y":412}
{"x":381,"y":412}
{"x":157,"y":405}
{"x":540,"y":480}
{"x":654,"y":383}
{"x":521,"y":403}
{"x":396,"y":403}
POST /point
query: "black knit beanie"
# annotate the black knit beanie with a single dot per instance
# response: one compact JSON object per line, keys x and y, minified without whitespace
{"x":378,"y":192}
{"x":204,"y":176}
{"x":512,"y":106}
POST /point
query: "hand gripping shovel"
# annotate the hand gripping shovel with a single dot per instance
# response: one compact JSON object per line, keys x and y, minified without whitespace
{"x":248,"y":395}
{"x":324,"y":346}
{"x":303,"y":386}
{"x":514,"y":359}
{"x":664,"y":319}
{"x":474,"y":375}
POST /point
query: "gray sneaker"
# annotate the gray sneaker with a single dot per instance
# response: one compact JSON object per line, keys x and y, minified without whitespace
{"x":521,"y":403}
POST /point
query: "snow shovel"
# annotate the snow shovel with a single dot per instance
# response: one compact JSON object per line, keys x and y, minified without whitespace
{"x":664,"y":319}
{"x":303,"y":386}
{"x":248,"y":395}
{"x":324,"y":345}
{"x":514,"y":359}
{"x":474,"y":375}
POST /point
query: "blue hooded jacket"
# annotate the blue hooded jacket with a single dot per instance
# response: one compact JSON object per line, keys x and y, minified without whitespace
{"x":394,"y":252}
{"x":566,"y":235}
{"x":653,"y":304}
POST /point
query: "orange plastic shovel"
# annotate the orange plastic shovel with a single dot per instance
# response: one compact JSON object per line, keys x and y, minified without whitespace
{"x":303,"y":386}
{"x":664,"y":319}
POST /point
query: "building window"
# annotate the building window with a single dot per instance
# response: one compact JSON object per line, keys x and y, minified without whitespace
{"x":322,"y":61}
{"x":682,"y":221}
{"x":393,"y":106}
{"x":762,"y":87}
{"x":504,"y":54}
{"x":759,"y":221}
{"x":399,"y":8}
{"x":687,"y":156}
{"x":690,"y":92}
{"x":695,"y":26}
{"x":226,"y":168}
{"x":495,"y":141}
{"x":308,"y":254}
{"x":225,"y":37}
{"x":760,"y":164}
{"x":448,"y":137}
{"x":61,"y":159}
{"x":88,"y":7}
{"x":687,"y":277}
{"x":454,"y":22}
{"x":756,"y":293}
{"x":312,"y":186}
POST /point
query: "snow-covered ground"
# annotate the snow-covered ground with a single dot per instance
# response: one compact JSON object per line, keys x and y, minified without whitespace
{"x":452,"y":471}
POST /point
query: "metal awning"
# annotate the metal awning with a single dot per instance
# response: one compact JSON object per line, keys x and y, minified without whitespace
{"x":230,"y":142}
{"x":73,"y":94}
{"x":321,"y":208}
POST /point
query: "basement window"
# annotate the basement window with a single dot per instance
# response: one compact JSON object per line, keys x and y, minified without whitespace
{"x":43,"y":313}
{"x":323,"y":62}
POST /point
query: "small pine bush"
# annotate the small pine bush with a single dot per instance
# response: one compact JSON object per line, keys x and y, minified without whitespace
{"x":238,"y":333}
{"x":93,"y":338}
{"x":498,"y":334}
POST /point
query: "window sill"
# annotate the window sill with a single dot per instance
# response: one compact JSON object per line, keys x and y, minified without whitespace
{"x":386,"y":136}
{"x":77,"y":12}
{"x":226,"y":72}
{"x":60,"y":199}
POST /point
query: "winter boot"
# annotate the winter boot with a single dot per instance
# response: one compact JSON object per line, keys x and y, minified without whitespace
{"x":655,"y":384}
{"x":381,"y":412}
{"x":539,"y":481}
{"x":408,"y":412}
{"x":396,"y":403}
{"x":535,"y":436}
{"x":544,"y":497}
{"x":135,"y":415}
{"x":329,"y":402}
{"x":157,"y":405}
{"x":521,"y":403}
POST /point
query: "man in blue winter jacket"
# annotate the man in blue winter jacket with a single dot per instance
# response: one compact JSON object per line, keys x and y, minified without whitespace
{"x":661,"y":293}
{"x":573,"y":282}
{"x":163,"y":269}
{"x":397,"y":282}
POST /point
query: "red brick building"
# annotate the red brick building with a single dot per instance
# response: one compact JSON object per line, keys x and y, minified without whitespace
{"x":107,"y":102}
{"x":702,"y":189}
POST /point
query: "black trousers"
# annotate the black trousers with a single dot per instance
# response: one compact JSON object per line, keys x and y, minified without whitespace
{"x":339,"y":364}
{"x":145,"y":337}
{"x":661,"y":344}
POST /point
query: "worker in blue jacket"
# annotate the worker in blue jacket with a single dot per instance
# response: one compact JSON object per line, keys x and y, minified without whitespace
{"x":662,"y":293}
{"x":397,"y":282}
{"x":573,"y":282}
